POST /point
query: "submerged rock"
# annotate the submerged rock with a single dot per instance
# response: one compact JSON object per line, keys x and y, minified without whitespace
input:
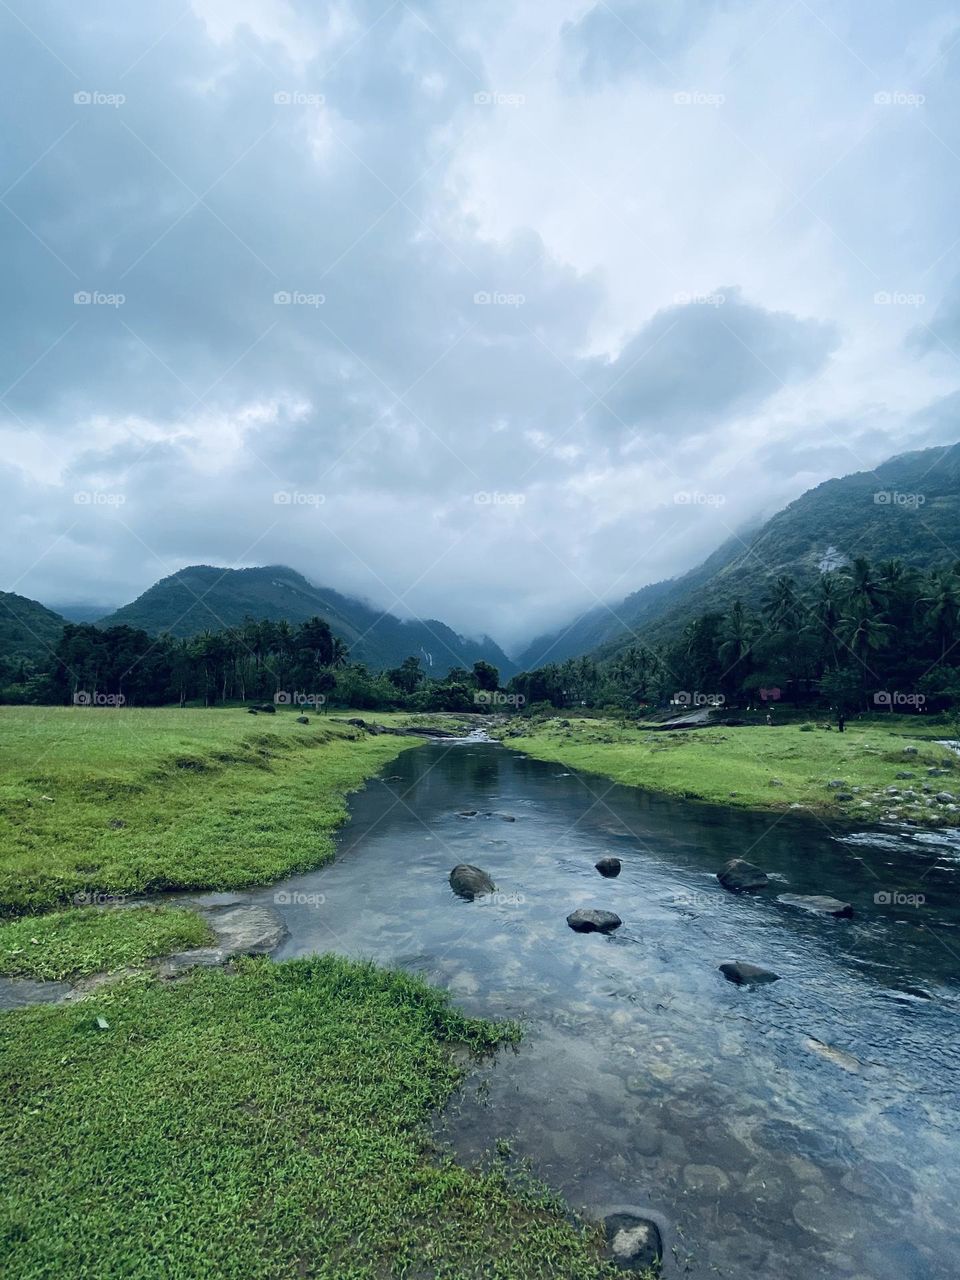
{"x":740,"y":876}
{"x":837,"y":1056}
{"x":466,"y":813}
{"x":744,"y":974}
{"x":819,"y":903}
{"x":470,"y":882}
{"x":634,"y":1243}
{"x":608,"y":866}
{"x":590,"y":921}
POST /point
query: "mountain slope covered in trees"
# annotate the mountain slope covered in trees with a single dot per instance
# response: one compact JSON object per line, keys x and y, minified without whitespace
{"x":907,"y":508}
{"x":28,"y":631}
{"x":206,"y":598}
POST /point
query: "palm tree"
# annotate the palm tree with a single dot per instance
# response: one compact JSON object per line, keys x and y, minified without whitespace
{"x":940,"y":606}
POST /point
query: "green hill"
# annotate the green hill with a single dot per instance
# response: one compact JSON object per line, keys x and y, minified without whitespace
{"x":28,"y":632}
{"x":907,"y":508}
{"x":205,"y":598}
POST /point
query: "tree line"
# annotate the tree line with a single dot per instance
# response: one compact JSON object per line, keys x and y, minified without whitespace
{"x":256,"y":662}
{"x":864,"y":637}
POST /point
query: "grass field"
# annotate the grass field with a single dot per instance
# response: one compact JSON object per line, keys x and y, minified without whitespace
{"x":259,"y":1125}
{"x":104,"y":802}
{"x":763,"y":767}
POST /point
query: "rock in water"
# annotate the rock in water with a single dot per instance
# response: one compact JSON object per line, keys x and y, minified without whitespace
{"x":818,"y":903}
{"x":740,"y":876}
{"x":470,"y":882}
{"x":634,"y":1243}
{"x":747,"y":974}
{"x":593,"y":921}
{"x":608,"y":866}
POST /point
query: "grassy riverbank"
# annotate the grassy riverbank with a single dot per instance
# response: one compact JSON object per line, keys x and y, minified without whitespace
{"x":258,"y":1125}
{"x":764,"y":767}
{"x":97,"y":803}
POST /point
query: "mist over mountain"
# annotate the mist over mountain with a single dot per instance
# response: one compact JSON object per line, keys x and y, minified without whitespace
{"x":907,"y":508}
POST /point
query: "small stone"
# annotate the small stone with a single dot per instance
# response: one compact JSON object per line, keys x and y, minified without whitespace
{"x":740,"y":876}
{"x":820,"y":904}
{"x":608,"y":866}
{"x":705,"y":1177}
{"x":590,"y":921}
{"x":634,"y":1242}
{"x":744,"y":974}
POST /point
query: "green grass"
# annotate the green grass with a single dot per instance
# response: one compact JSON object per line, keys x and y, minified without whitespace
{"x":75,"y":943}
{"x":132,"y":801}
{"x":256,"y":1126}
{"x":758,"y":766}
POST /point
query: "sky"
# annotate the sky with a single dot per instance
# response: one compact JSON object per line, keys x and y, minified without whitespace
{"x":486,"y":312}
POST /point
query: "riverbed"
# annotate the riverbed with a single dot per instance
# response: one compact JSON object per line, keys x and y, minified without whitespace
{"x":807,"y":1128}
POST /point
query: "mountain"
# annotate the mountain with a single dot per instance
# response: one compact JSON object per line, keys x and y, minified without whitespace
{"x":206,"y":598}
{"x":82,"y":612}
{"x":907,"y":508}
{"x":28,"y":630}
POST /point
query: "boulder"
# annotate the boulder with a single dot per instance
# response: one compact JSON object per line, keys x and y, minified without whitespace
{"x":303,"y":719}
{"x":744,"y":974}
{"x":820,"y":904}
{"x":470,"y":882}
{"x":591,"y":921}
{"x":633,"y":1243}
{"x":740,"y":876}
{"x":267,"y":709}
{"x":608,"y":867}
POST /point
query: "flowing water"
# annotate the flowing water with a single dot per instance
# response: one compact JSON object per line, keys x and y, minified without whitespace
{"x":807,"y":1128}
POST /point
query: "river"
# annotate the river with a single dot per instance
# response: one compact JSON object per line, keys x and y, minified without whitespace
{"x":807,"y":1128}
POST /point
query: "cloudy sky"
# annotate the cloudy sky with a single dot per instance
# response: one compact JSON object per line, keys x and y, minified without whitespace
{"x":485,"y":312}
